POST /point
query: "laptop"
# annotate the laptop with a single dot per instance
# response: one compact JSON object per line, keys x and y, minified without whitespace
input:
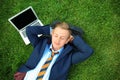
{"x":23,"y":19}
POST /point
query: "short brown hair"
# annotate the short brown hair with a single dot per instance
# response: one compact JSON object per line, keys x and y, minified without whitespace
{"x":63,"y":25}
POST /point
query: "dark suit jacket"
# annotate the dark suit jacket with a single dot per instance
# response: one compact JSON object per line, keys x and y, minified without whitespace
{"x":74,"y":52}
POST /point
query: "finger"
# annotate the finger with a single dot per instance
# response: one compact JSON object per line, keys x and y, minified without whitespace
{"x":16,"y":74}
{"x":19,"y":78}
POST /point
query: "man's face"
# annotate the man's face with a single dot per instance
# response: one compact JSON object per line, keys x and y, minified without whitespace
{"x":60,"y":37}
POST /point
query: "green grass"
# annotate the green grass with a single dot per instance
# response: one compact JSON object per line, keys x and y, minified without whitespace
{"x":100,"y":19}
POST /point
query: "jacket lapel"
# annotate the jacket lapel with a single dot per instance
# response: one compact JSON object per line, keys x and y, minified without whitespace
{"x":66,"y":50}
{"x":41,"y":50}
{"x":46,"y":41}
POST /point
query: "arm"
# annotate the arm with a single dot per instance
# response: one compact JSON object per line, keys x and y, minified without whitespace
{"x":82,"y":50}
{"x":33,"y":32}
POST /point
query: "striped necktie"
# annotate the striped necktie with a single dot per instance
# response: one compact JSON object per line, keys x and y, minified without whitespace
{"x":45,"y":66}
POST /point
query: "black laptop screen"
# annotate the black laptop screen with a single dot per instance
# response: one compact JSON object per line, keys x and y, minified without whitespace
{"x":24,"y":19}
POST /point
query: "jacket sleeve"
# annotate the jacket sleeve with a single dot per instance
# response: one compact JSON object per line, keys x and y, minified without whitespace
{"x":33,"y":32}
{"x":82,"y":50}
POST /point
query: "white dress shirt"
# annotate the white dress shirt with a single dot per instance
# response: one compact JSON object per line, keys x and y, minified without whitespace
{"x":32,"y":74}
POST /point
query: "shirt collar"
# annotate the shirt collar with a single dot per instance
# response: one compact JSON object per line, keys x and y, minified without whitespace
{"x":60,"y":50}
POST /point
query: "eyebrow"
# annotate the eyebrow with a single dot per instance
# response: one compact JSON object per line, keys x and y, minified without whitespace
{"x":57,"y":34}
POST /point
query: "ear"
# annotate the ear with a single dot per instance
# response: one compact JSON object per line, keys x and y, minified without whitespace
{"x":70,"y":39}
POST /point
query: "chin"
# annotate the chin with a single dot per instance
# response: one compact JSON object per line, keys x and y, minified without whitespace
{"x":55,"y":47}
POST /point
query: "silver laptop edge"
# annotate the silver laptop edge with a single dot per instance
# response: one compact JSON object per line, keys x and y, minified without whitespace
{"x":26,"y":40}
{"x":22,"y":12}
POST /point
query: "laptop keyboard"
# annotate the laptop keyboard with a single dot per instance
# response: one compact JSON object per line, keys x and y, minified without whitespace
{"x":36,"y":24}
{"x":24,"y":33}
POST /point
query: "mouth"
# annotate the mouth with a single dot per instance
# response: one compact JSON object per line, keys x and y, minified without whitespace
{"x":56,"y":43}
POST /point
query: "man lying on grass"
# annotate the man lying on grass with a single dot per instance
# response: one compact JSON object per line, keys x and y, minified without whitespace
{"x":53,"y":56}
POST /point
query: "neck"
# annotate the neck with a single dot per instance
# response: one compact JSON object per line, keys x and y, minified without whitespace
{"x":55,"y":49}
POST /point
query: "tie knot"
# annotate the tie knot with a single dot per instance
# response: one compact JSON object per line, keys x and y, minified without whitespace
{"x":53,"y":52}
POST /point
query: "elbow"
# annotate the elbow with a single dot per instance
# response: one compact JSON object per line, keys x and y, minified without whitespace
{"x":90,"y":51}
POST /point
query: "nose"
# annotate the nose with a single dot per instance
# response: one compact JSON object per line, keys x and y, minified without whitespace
{"x":58,"y":40}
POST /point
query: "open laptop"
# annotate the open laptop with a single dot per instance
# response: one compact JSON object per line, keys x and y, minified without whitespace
{"x":20,"y":21}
